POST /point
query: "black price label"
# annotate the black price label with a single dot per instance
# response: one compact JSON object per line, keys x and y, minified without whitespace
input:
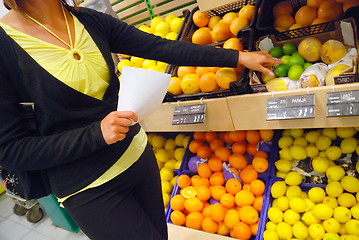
{"x":344,"y":79}
{"x":291,"y":107}
{"x":189,"y":114}
{"x":340,"y":104}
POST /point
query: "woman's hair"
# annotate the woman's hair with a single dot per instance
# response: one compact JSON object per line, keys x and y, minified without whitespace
{"x":18,"y":4}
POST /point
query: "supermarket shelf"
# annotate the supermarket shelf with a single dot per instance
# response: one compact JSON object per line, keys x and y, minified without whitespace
{"x":183,"y":233}
{"x":245,"y":112}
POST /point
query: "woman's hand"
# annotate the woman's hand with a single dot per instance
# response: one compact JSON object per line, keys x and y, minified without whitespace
{"x":257,"y":60}
{"x":116,"y":124}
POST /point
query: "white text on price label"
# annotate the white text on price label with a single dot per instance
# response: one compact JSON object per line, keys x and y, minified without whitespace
{"x":341,"y":104}
{"x":189,"y":114}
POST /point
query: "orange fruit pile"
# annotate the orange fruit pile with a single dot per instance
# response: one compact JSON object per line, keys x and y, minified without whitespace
{"x":208,"y":201}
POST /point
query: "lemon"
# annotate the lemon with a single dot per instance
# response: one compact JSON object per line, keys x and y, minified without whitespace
{"x":320,"y":165}
{"x":282,"y":203}
{"x":283,"y":165}
{"x":330,"y":132}
{"x":335,"y":173}
{"x":352,"y":227}
{"x":316,"y":231}
{"x":174,"y":181}
{"x":322,"y":154}
{"x":345,"y":132}
{"x":346,"y":200}
{"x":179,"y":139}
{"x":166,"y":187}
{"x":155,"y":21}
{"x":334,"y":189}
{"x":284,"y":230}
{"x":333,"y":153}
{"x":312,"y":136}
{"x":322,"y":211}
{"x":171,"y":153}
{"x":331,"y":202}
{"x":304,"y":195}
{"x":166,"y":174}
{"x":331,"y":225}
{"x":275,"y":202}
{"x":178,"y":164}
{"x":280,"y":174}
{"x":179,"y":153}
{"x":176,"y":24}
{"x":162,"y":155}
{"x":297,"y":204}
{"x":350,"y":184}
{"x":343,"y":230}
{"x":275,"y":215}
{"x":296,"y":132}
{"x":286,"y":132}
{"x":342,"y":214}
{"x":348,"y":145}
{"x":293,"y":179}
{"x":137,"y":61}
{"x":278,"y":189}
{"x":166,"y":198}
{"x":300,"y":141}
{"x":355,"y":211}
{"x":357,"y":150}
{"x":285,"y":154}
{"x":145,"y":28}
{"x":285,"y":142}
{"x":162,"y":28}
{"x":312,"y":151}
{"x":170,"y":164}
{"x":271,"y":226}
{"x":122,"y":63}
{"x":270,"y":235}
{"x":357,"y":167}
{"x":316,"y":194}
{"x":186,"y":141}
{"x":291,"y":217}
{"x":158,"y":141}
{"x":331,"y":236}
{"x":323,"y":143}
{"x":308,"y":218}
{"x":298,"y":152}
{"x":300,"y":231}
{"x":310,"y":204}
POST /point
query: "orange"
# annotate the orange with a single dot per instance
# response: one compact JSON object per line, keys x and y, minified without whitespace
{"x":319,"y":21}
{"x":239,"y":147}
{"x":284,"y":22}
{"x":222,"y":153}
{"x":209,"y":136}
{"x":266,"y":134}
{"x":210,"y":226}
{"x":238,"y":161}
{"x":183,"y":181}
{"x":247,"y":11}
{"x":207,"y":82}
{"x":248,"y":174}
{"x":195,"y":179}
{"x":228,"y":17}
{"x":246,"y":186}
{"x":238,"y":24}
{"x":199,"y":136}
{"x":215,"y":143}
{"x":204,"y":152}
{"x":202,"y":37}
{"x":233,"y":186}
{"x":190,"y":84}
{"x":200,"y":19}
{"x":257,"y":187}
{"x":330,"y":10}
{"x":248,"y":214}
{"x":244,"y":198}
{"x":260,"y":164}
{"x":214,"y":69}
{"x":213,"y":21}
{"x":177,"y":202}
{"x":231,"y":218}
{"x":282,"y":8}
{"x":295,"y":26}
{"x":203,"y":193}
{"x":225,"y":76}
{"x":226,"y":137}
{"x":261,"y":154}
{"x":221,"y":32}
{"x":178,"y":218}
{"x":315,"y":3}
{"x":258,"y":202}
{"x":204,"y":171}
{"x":237,"y":135}
{"x":201,"y":70}
{"x":252,"y":148}
{"x":217,"y":178}
{"x":253,"y":136}
{"x":194,"y":220}
{"x":234,"y":171}
{"x":217,"y":212}
{"x":227,"y":200}
{"x":206,"y":212}
{"x":174,"y":86}
{"x":223,"y":229}
{"x":193,"y":205}
{"x":217,"y":191}
{"x":233,"y":43}
{"x":305,"y":15}
{"x":242,"y":231}
{"x":254,"y":228}
{"x":188,"y":192}
{"x":215,"y":164}
{"x":194,"y":145}
{"x":201,"y":182}
{"x":183,"y":70}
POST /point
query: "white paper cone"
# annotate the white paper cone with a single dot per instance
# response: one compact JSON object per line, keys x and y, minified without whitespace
{"x":142,"y":91}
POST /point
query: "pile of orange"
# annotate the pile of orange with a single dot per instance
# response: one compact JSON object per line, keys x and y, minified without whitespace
{"x":314,"y":12}
{"x":206,"y":201}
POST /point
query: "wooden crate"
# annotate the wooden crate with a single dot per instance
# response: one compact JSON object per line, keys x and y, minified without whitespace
{"x":134,"y":12}
{"x":165,"y":7}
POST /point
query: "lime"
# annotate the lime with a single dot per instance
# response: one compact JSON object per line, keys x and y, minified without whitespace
{"x":281,"y":70}
{"x":288,"y":48}
{"x":322,"y":211}
{"x":320,"y":165}
{"x":285,"y":59}
{"x":316,"y":231}
{"x":296,"y":60}
{"x":291,"y":217}
{"x":331,"y":225}
{"x":283,"y":165}
{"x":297,"y":204}
{"x":346,"y":200}
{"x":275,"y":215}
{"x":270,"y":235}
{"x":350,"y":184}
{"x":295,"y":71}
{"x":293,"y":191}
{"x":330,"y":132}
{"x":285,"y":142}
{"x":342,"y":214}
{"x":278,"y":189}
{"x":348,"y":145}
{"x":330,"y":201}
{"x":308,"y":218}
{"x":283,"y":203}
{"x":316,"y":194}
{"x":323,"y":142}
{"x":355,"y":211}
{"x":298,"y":152}
{"x":293,"y":179}
{"x":300,"y":141}
{"x":300,"y":231}
{"x":285,"y":154}
{"x":284,"y":230}
{"x":312,"y":151}
{"x":307,"y":64}
{"x":335,"y":173}
{"x":352,"y":227}
{"x":345,"y":132}
{"x":333,"y":153}
{"x":312,"y":136}
{"x":276,"y":52}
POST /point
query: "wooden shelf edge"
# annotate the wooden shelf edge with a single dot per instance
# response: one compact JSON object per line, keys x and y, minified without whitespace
{"x":183,"y":233}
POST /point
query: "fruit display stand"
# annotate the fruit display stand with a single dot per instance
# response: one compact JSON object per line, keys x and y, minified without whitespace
{"x":163,"y":8}
{"x":133,"y":12}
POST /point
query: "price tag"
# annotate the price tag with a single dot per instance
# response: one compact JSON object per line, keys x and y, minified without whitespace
{"x":340,"y":104}
{"x":189,"y":114}
{"x":291,"y":107}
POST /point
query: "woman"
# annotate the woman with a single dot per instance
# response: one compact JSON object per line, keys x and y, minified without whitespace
{"x":57,"y":59}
